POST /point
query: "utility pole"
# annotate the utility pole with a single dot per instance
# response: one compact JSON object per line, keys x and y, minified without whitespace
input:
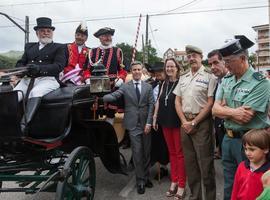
{"x":146,"y":40}
{"x":26,"y":39}
{"x":26,"y":32}
{"x":143,"y":50}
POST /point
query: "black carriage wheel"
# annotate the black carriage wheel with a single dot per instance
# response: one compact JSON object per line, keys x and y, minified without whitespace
{"x":80,"y":176}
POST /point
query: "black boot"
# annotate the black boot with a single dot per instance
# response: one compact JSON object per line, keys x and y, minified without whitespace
{"x":30,"y":110}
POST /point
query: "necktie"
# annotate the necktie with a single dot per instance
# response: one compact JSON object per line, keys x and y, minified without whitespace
{"x":138,"y":92}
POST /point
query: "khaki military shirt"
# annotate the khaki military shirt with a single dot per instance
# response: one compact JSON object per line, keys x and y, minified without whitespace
{"x":253,"y":90}
{"x":195,"y":89}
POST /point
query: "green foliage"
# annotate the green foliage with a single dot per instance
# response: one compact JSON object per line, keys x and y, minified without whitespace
{"x":6,"y":62}
{"x":128,"y":49}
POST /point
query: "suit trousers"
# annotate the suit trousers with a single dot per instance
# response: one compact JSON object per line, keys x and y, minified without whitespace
{"x":173,"y":140}
{"x":198,"y":150}
{"x":42,"y":86}
{"x":232,"y":155}
{"x":141,"y":148}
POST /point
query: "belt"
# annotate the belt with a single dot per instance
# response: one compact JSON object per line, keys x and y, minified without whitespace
{"x":190,"y":116}
{"x":235,"y":134}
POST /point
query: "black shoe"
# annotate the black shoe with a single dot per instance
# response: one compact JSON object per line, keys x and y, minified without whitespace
{"x":148,"y":184}
{"x":140,"y":189}
{"x":163,"y":172}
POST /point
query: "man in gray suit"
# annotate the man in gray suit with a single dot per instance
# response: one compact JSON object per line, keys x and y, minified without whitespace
{"x":139,"y":102}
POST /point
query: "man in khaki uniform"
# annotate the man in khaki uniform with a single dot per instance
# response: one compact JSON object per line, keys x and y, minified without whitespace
{"x":193,"y":103}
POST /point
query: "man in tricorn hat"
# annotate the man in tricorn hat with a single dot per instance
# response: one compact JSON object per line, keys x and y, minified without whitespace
{"x":76,"y":71}
{"x":45,"y":60}
{"x":112,"y":58}
{"x":242,"y":101}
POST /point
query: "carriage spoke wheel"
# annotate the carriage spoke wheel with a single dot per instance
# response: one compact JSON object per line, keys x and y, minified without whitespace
{"x":80,"y":176}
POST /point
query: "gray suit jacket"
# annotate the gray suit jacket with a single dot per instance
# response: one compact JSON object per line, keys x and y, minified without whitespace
{"x":135,"y":111}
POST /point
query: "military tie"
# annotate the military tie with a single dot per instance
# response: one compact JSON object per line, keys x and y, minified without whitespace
{"x":138,"y":92}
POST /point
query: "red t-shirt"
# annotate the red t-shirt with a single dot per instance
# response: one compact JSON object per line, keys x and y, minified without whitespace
{"x":247,"y":184}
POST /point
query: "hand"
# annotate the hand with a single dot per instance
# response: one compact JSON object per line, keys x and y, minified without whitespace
{"x":118,"y":82}
{"x":147,"y":129}
{"x":243,"y":114}
{"x":14,"y":80}
{"x":188,"y":128}
{"x":33,"y":70}
{"x":155,"y":125}
{"x":87,"y":81}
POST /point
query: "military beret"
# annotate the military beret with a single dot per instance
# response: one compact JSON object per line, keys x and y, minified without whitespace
{"x":193,"y":49}
{"x":103,"y":31}
{"x":82,"y":28}
{"x":236,"y":46}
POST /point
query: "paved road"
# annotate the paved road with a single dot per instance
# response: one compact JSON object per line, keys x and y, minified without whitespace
{"x":120,"y":187}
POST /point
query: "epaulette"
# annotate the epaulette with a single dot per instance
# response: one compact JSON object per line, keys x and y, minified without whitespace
{"x":258,"y":76}
{"x":228,"y":75}
{"x":207,"y":70}
{"x":185,"y":72}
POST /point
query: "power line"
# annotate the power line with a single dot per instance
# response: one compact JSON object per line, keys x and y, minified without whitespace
{"x":36,"y":3}
{"x":182,"y":6}
{"x":155,"y":15}
{"x":153,"y":37}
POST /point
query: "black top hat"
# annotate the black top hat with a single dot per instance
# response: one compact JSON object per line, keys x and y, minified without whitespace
{"x":44,"y":22}
{"x":236,"y":46}
{"x":103,"y":31}
{"x":82,"y":29}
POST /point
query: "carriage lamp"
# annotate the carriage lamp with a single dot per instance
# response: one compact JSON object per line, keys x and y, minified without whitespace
{"x":99,"y":81}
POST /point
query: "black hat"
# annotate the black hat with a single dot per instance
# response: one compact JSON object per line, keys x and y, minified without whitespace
{"x":103,"y":31}
{"x":44,"y":22}
{"x":157,"y":67}
{"x":82,"y":28}
{"x":236,"y":46}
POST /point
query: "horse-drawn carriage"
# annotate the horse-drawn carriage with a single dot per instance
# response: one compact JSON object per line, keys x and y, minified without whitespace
{"x":57,"y":154}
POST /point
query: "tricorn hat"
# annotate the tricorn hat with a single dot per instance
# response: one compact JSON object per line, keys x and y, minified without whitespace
{"x":103,"y":31}
{"x":157,"y":67}
{"x":236,"y":46}
{"x":192,"y":49}
{"x":44,"y":22}
{"x":82,"y":28}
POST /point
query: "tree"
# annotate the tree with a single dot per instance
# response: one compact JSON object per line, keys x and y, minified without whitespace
{"x":6,"y":62}
{"x":128,"y":50}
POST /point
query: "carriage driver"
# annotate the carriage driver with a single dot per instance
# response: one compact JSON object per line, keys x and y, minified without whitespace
{"x":45,"y":60}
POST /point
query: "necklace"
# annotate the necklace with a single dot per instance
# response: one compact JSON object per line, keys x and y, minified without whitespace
{"x":168,"y":93}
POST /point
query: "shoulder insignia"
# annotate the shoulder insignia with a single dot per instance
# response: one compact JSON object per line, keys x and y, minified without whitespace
{"x":207,"y":70}
{"x":228,"y":75}
{"x":258,"y":76}
{"x":185,"y":72}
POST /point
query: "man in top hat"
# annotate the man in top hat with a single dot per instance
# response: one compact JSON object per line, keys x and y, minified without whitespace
{"x":193,"y":103}
{"x":76,"y":71}
{"x":45,"y":60}
{"x":242,"y":100}
{"x":112,"y":58}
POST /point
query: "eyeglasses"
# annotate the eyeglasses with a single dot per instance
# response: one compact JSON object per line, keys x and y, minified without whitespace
{"x":230,"y":59}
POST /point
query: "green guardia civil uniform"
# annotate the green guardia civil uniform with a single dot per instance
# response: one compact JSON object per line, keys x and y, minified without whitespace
{"x":252,"y":89}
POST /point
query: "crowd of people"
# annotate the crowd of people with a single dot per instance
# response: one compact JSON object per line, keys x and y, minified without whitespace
{"x":183,"y":108}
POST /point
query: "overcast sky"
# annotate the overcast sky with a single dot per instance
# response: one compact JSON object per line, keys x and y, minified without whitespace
{"x":207,"y":30}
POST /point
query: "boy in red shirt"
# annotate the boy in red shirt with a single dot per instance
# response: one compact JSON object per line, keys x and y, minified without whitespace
{"x":247,"y":182}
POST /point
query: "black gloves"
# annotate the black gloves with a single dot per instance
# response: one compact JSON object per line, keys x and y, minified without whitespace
{"x":33,"y":70}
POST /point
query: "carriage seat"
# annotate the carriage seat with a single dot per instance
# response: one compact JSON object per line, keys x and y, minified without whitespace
{"x":68,"y":94}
